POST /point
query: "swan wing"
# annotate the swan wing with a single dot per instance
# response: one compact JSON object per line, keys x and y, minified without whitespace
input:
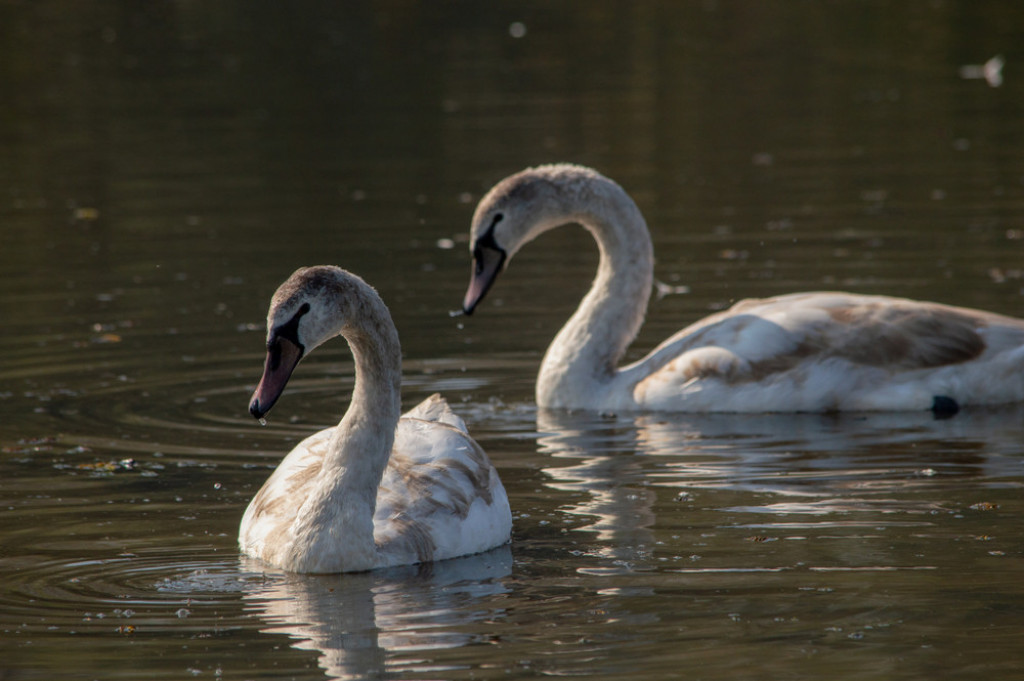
{"x":821,"y":351}
{"x":269,"y":519}
{"x":440,"y":496}
{"x":435,"y":408}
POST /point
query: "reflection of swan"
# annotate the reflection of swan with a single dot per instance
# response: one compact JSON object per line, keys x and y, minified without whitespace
{"x":814,"y":352}
{"x":621,"y":509}
{"x":361,"y":623}
{"x":798,"y":456}
{"x":642,"y":474}
{"x":374,"y":491}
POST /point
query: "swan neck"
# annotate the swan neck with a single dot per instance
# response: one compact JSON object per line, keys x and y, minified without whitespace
{"x":358,"y":453}
{"x":586,"y":352}
{"x":366,"y":433}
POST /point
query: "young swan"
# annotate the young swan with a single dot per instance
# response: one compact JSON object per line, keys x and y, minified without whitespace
{"x":823,"y":351}
{"x":377,"y":489}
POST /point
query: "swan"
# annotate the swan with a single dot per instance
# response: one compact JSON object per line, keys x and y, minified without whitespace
{"x":378,"y":489}
{"x":803,"y":352}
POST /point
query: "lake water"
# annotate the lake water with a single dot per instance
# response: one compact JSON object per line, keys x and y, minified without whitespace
{"x":166,"y":165}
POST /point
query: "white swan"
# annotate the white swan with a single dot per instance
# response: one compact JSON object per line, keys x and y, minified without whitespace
{"x":376,"y":490}
{"x":823,"y":351}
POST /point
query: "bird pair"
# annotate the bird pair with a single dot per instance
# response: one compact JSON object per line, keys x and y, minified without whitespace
{"x":382,"y":488}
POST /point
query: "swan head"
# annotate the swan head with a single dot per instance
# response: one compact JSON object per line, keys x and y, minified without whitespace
{"x":516,"y":211}
{"x":306,"y":310}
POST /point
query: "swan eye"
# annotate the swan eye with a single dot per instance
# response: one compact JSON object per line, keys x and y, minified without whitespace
{"x":290,"y":329}
{"x":498,"y":217}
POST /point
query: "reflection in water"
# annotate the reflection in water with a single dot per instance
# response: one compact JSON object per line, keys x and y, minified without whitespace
{"x":827,"y":455}
{"x":358,"y":622}
{"x":602,"y":467}
{"x":808,"y":471}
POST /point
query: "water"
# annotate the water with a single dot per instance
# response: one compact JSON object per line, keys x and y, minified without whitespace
{"x":168,"y":165}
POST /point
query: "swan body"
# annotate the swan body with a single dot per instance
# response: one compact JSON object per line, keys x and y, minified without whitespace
{"x":819,"y":351}
{"x":380,"y":489}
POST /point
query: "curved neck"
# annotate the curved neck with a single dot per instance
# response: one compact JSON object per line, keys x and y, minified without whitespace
{"x":586,"y":352}
{"x":346,"y":493}
{"x":363,"y":439}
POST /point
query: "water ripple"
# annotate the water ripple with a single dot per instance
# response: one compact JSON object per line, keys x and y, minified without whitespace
{"x":126,"y":593}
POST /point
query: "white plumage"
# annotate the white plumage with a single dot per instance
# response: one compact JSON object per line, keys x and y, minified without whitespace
{"x":376,"y":490}
{"x":821,"y":351}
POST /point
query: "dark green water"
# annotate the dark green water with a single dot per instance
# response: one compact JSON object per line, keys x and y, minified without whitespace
{"x":166,"y":165}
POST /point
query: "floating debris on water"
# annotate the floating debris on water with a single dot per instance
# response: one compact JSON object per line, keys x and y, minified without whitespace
{"x":662,"y":289}
{"x":86,"y":214}
{"x":991,"y":71}
{"x":108,"y":466}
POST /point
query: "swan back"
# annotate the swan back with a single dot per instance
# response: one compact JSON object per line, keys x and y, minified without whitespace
{"x":440,"y":496}
{"x":435,"y":408}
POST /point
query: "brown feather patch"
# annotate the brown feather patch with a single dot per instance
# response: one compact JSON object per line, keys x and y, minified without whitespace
{"x":905,"y":338}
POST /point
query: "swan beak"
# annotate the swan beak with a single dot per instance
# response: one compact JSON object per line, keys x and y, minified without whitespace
{"x":282,"y":357}
{"x":487,"y":263}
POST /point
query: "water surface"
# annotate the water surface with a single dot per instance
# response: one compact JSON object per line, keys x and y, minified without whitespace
{"x":168,"y":165}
